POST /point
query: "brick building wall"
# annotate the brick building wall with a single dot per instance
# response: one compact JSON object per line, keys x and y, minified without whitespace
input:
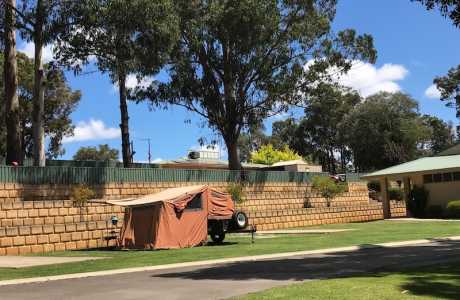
{"x":41,"y":218}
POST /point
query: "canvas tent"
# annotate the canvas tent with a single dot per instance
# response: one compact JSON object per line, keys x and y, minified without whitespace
{"x":173,"y":218}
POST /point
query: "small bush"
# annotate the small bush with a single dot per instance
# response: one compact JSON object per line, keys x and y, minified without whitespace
{"x":81,"y":194}
{"x":328,"y":188}
{"x":453,"y":209}
{"x":395,"y":194}
{"x":374,"y":185}
{"x":236,"y":191}
{"x":435,"y":211}
{"x":417,"y":201}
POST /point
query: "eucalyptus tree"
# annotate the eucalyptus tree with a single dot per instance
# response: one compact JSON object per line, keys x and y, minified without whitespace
{"x":385,"y":130}
{"x":60,"y":99}
{"x":38,"y":21}
{"x":115,"y":35}
{"x":238,"y":62}
{"x":319,"y":131}
{"x":13,"y":132}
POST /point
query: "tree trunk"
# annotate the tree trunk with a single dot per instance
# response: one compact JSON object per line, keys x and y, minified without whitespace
{"x":342,"y":159}
{"x":233,"y":157}
{"x":39,"y":91}
{"x":13,"y":125}
{"x":332,"y":160}
{"x":124,"y":125}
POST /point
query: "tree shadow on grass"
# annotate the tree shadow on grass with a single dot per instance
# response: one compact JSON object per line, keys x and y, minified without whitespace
{"x":420,"y":266}
{"x":443,"y":286}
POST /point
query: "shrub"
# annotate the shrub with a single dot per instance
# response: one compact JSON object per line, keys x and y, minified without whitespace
{"x":417,"y":201}
{"x":453,"y":209}
{"x":268,"y":155}
{"x":328,"y":188}
{"x":81,"y":194}
{"x":236,"y":191}
{"x":435,"y":211}
{"x":374,"y":185}
{"x":395,"y":194}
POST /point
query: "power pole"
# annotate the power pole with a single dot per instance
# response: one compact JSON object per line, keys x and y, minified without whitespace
{"x":149,"y":149}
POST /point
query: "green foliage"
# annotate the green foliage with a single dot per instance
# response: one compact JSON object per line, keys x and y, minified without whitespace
{"x":449,"y":86}
{"x":81,"y":194}
{"x":268,"y":155}
{"x":103,"y":153}
{"x":384,"y":130}
{"x":122,"y":38}
{"x":448,"y":8}
{"x":60,"y":100}
{"x":395,"y":194}
{"x":240,"y":61}
{"x":284,"y":133}
{"x":251,"y":141}
{"x":236,"y":190}
{"x":319,"y":131}
{"x":441,"y":135}
{"x":374,"y":185}
{"x":453,"y":209}
{"x":418,"y":200}
{"x":328,"y":188}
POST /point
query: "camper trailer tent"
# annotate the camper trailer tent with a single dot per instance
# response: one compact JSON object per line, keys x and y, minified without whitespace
{"x":174,"y":218}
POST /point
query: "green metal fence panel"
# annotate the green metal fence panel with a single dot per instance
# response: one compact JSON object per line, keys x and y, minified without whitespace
{"x":354,"y":177}
{"x":101,"y":175}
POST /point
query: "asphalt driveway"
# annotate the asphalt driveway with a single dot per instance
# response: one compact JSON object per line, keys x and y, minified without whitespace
{"x":223,"y":281}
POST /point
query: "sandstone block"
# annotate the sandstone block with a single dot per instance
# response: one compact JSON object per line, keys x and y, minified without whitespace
{"x":19,"y":240}
{"x":12,"y":251}
{"x":36,"y":248}
{"x":59,"y":247}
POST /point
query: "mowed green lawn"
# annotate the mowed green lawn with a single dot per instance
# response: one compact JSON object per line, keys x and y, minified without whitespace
{"x":433,"y":282}
{"x":234,"y":246}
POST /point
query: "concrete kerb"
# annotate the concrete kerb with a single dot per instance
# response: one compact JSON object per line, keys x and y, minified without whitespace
{"x":214,"y":262}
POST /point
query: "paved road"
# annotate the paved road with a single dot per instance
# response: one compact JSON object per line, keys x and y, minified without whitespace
{"x":218,"y":282}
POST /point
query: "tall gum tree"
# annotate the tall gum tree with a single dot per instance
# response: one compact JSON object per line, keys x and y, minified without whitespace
{"x":113,"y":34}
{"x":38,"y":21}
{"x":238,"y":62}
{"x":12,"y":112}
{"x":60,"y":100}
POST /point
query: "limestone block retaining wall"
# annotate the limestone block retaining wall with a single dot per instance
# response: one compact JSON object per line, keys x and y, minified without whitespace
{"x":55,"y":225}
{"x":41,"y":218}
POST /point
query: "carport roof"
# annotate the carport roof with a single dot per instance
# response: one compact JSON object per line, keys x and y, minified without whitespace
{"x":426,"y":164}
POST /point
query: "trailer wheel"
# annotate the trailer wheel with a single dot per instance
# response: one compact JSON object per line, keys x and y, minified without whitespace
{"x":217,"y":237}
{"x":240,"y":219}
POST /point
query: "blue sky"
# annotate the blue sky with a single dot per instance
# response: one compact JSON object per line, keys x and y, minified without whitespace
{"x":413,"y":45}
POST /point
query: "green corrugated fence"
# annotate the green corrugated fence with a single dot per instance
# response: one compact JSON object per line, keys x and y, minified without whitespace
{"x":354,"y":177}
{"x":83,"y":163}
{"x":95,"y":175}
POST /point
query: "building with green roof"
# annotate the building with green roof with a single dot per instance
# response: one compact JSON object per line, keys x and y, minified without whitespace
{"x":439,"y":175}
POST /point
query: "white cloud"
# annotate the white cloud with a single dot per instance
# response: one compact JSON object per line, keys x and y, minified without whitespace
{"x":132,"y":82}
{"x":368,"y":80}
{"x":29,"y":50}
{"x":432,"y":92}
{"x":92,"y":130}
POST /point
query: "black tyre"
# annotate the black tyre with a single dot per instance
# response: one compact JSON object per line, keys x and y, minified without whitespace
{"x":240,"y":220}
{"x":217,"y":237}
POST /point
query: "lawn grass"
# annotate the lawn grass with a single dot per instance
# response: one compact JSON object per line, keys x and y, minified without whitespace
{"x":364,"y":233}
{"x":439,"y":282}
